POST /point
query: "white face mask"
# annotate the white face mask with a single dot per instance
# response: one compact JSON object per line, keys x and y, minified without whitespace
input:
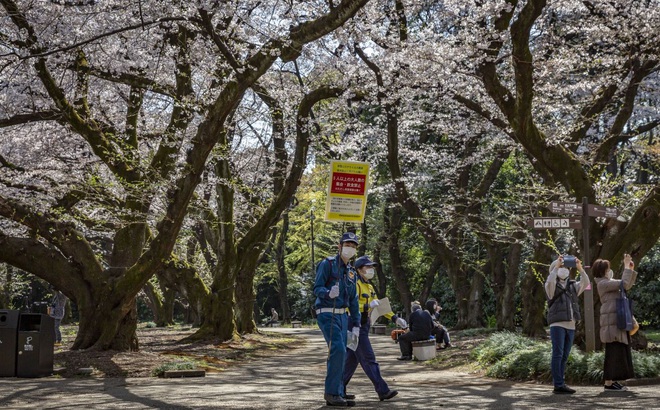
{"x":347,"y":252}
{"x":369,"y":273}
{"x":562,"y":273}
{"x":609,"y":274}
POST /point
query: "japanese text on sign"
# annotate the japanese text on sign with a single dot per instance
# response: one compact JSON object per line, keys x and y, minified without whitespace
{"x":348,"y":183}
{"x":347,"y":191}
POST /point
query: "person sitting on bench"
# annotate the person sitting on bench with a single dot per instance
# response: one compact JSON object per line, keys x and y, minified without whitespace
{"x":273,"y":318}
{"x":420,"y":326}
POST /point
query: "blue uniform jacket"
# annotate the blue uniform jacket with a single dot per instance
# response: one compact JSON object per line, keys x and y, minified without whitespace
{"x":332,"y":271}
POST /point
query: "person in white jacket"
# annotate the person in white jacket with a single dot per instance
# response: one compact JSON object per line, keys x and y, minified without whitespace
{"x":563,"y":312}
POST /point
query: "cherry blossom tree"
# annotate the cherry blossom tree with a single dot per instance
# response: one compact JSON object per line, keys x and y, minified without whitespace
{"x":110,"y":114}
{"x":570,"y":85}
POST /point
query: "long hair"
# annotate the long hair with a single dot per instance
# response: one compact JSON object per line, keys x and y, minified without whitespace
{"x":600,"y":268}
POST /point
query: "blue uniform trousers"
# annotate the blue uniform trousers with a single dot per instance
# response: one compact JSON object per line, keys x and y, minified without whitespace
{"x":337,"y":344}
{"x":364,"y":354}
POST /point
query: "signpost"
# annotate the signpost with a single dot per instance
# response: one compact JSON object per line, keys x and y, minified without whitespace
{"x":584,"y":210}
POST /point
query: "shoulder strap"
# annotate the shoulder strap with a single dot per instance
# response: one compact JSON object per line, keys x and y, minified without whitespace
{"x":568,"y":285}
{"x":331,"y":276}
{"x":622,"y":291}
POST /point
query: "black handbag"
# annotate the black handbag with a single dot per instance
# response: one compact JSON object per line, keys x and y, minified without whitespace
{"x":624,"y":311}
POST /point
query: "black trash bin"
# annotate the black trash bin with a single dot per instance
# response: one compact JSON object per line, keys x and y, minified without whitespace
{"x":36,"y":339}
{"x":8,"y":335}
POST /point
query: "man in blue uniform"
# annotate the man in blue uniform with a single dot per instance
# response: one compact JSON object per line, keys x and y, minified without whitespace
{"x":336,"y":295}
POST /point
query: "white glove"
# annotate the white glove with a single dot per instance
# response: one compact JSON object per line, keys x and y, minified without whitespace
{"x":401,"y":322}
{"x":356,"y":331}
{"x":334,"y":292}
{"x":374,"y":303}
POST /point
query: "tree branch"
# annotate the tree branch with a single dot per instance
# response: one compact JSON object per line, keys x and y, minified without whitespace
{"x":47,"y":115}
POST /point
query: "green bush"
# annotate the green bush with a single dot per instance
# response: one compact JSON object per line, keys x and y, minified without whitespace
{"x":509,"y":355}
{"x":498,"y":346}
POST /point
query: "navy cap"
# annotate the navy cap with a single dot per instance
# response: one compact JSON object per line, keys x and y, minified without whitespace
{"x":349,"y":237}
{"x":363,"y":261}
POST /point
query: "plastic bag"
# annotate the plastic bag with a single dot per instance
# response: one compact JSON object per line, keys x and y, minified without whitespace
{"x":352,"y":340}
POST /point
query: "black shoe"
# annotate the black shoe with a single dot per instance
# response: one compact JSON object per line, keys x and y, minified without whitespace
{"x":388,"y":395}
{"x":332,"y":400}
{"x":404,"y":358}
{"x":563,"y":390}
{"x":619,"y":385}
{"x":448,"y":345}
{"x":349,"y":396}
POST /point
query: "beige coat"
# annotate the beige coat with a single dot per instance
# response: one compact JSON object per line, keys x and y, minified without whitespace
{"x":608,"y":290}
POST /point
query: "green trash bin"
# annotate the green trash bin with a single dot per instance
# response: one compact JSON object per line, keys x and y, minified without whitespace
{"x":36,"y":340}
{"x":8,"y":334}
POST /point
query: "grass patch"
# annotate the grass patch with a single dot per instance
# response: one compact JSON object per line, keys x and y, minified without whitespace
{"x":480,"y":331}
{"x":508,"y":355}
{"x":159,"y":371}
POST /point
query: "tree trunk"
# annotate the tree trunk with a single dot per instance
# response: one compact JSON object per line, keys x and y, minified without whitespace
{"x":107,"y":326}
{"x":532,"y":291}
{"x":218,"y":307}
{"x":381,"y":285}
{"x":283,"y":281}
{"x":475,"y":304}
{"x":398,"y":272}
{"x":431,"y":274}
{"x":186,"y":281}
{"x":504,"y":276}
{"x":154,"y":301}
{"x":508,"y":310}
{"x":161,"y":306}
{"x":244,"y":291}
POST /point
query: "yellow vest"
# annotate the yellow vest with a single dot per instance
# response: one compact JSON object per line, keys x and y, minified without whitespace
{"x":366,"y":294}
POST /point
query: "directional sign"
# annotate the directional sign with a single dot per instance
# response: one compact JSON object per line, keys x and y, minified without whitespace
{"x":572,"y":208}
{"x":602,"y":211}
{"x":555,"y":223}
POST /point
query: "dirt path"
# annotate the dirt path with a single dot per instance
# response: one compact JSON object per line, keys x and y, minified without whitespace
{"x":295,"y":381}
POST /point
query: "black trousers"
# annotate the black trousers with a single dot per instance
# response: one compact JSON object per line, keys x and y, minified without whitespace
{"x":406,"y":339}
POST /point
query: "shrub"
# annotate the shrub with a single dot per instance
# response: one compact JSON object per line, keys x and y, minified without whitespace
{"x":508,"y":355}
{"x":498,"y":346}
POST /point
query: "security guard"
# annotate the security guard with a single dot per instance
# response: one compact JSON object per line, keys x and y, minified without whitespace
{"x":364,"y":354}
{"x":336,"y":295}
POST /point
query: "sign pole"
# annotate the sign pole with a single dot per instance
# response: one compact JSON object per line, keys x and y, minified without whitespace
{"x":311,"y":227}
{"x":588,"y":293}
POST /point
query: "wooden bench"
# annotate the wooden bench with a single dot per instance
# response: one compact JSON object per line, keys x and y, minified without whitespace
{"x":378,"y":329}
{"x":296,"y":323}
